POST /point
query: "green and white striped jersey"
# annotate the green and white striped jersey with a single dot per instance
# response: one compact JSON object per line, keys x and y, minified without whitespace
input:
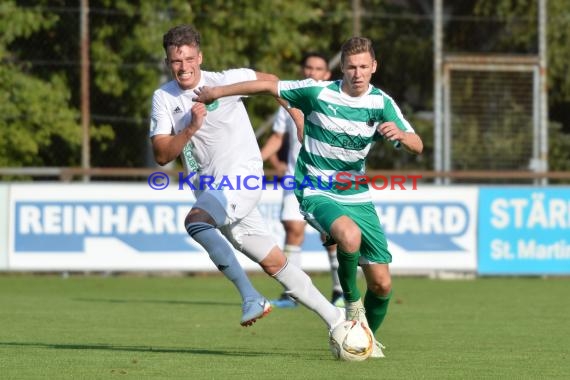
{"x":338,"y":133}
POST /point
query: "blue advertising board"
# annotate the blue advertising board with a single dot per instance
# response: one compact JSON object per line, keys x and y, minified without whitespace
{"x":65,"y":226}
{"x":524,"y":231}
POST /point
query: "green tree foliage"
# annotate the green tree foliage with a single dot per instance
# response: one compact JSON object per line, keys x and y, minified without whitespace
{"x":405,"y":72}
{"x":127,"y":58}
{"x":268,"y":36}
{"x":40,"y":70}
{"x":559,"y":149}
{"x":521,"y":25}
{"x":37,"y":124}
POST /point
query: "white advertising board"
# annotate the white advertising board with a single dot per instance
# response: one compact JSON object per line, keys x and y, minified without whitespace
{"x":124,"y":227}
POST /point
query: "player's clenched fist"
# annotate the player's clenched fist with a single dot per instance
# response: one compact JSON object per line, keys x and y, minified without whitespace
{"x":198,"y":112}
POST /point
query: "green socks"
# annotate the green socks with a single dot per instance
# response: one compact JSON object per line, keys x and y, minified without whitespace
{"x":376,"y":306}
{"x":376,"y":309}
{"x":347,"y":270}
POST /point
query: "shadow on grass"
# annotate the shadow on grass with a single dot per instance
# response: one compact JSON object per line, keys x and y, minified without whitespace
{"x":111,"y":300}
{"x":167,"y":350}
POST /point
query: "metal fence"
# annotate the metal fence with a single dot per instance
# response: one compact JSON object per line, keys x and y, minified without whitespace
{"x":490,"y":101}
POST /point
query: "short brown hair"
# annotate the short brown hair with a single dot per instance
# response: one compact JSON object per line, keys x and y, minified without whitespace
{"x":181,"y":35}
{"x":357,"y":45}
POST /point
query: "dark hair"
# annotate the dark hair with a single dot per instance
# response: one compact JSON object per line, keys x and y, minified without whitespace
{"x":181,"y":35}
{"x":356,"y":45}
{"x":315,"y":55}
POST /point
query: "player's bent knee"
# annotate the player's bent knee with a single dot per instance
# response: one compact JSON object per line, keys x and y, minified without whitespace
{"x":347,"y":234}
{"x":382,"y":288}
{"x":273,"y":262}
{"x":348,"y":240}
{"x":257,"y":247}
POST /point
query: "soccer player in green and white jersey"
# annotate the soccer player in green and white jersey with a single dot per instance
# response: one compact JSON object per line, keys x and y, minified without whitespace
{"x":314,"y":65}
{"x":341,"y":121}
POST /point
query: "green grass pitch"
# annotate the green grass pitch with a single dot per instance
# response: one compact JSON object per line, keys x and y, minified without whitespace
{"x":151,"y":327}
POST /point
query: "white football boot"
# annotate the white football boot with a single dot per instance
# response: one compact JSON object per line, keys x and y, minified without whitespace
{"x":355,"y":312}
{"x":377,"y":350}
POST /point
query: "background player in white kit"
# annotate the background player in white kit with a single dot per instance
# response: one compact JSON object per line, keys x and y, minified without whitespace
{"x":218,"y":141}
{"x":313,"y":65}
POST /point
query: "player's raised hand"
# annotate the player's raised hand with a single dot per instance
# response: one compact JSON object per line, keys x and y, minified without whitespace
{"x":204,"y":94}
{"x":198,"y":113}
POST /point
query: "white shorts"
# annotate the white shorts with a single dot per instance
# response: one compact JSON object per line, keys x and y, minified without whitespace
{"x":290,"y":207}
{"x":227,"y":206}
{"x":235,"y":212}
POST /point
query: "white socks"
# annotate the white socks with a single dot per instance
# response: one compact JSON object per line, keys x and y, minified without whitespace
{"x":299,"y":286}
{"x":293,"y":254}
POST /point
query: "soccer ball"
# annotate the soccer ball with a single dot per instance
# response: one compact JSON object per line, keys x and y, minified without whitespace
{"x":351,"y":341}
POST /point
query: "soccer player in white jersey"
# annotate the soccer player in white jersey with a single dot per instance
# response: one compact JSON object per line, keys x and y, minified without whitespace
{"x":342,"y":119}
{"x":314,"y":65}
{"x":217,"y":141}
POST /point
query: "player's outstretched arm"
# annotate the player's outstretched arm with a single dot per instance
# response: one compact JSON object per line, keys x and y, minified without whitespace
{"x":207,"y":94}
{"x":295,"y":114}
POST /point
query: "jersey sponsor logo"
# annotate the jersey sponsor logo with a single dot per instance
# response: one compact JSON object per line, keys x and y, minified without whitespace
{"x":212,"y":106}
{"x":177,"y":110}
{"x":65,"y":226}
{"x":332,"y":108}
{"x":351,"y":142}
